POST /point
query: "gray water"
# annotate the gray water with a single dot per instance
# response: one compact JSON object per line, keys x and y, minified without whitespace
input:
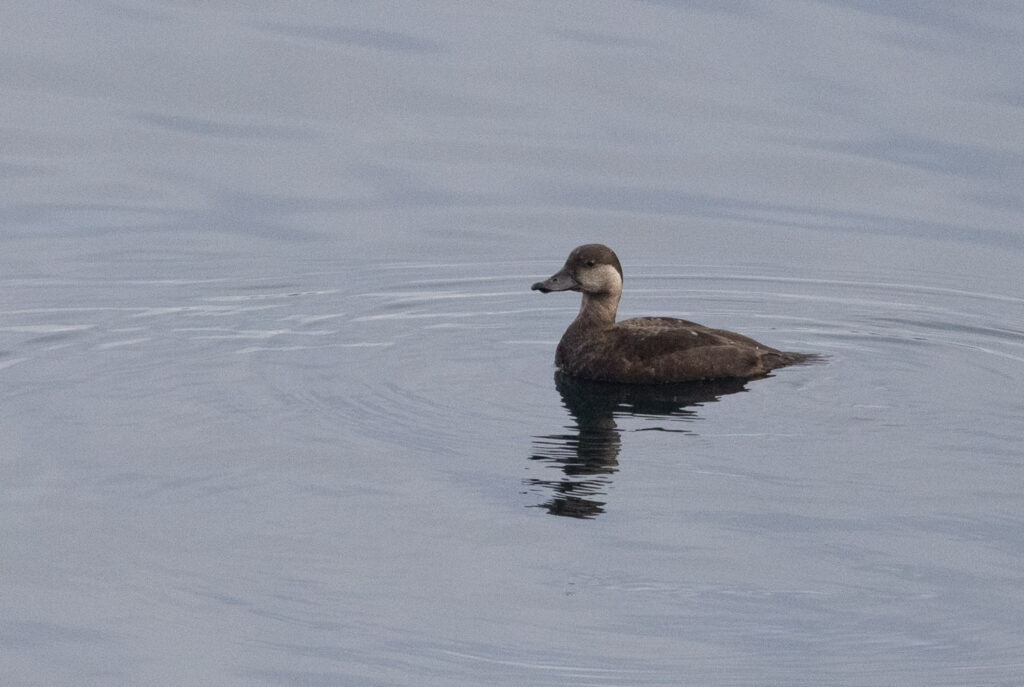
{"x":279,"y":407}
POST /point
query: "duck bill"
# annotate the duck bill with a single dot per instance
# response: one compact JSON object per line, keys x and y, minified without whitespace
{"x":561,"y":281}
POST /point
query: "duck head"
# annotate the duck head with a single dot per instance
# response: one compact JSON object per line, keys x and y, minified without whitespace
{"x":592,"y":268}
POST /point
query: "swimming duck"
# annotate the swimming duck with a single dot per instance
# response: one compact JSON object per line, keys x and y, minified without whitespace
{"x":645,"y":350}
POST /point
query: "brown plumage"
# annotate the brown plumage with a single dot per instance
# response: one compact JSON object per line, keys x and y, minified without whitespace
{"x":645,"y":350}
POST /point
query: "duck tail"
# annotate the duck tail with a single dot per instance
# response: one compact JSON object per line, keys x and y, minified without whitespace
{"x":787,"y":358}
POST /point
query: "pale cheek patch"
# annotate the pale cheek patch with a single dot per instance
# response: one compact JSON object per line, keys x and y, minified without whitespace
{"x":603,"y":278}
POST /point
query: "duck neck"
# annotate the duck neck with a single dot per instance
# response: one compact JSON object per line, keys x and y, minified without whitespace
{"x":598,"y":309}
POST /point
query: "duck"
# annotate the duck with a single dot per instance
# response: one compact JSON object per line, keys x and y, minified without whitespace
{"x":645,"y":350}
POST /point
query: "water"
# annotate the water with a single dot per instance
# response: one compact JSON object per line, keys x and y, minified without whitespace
{"x":279,"y":407}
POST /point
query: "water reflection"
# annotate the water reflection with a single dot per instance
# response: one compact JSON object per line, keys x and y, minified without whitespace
{"x":588,"y":455}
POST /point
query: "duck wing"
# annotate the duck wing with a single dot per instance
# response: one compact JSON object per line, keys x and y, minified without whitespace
{"x":662,"y":349}
{"x":672,"y":333}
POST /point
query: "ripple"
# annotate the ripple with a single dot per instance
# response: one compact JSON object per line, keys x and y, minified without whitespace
{"x":443,"y":352}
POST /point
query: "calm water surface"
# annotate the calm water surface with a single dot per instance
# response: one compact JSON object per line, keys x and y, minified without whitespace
{"x":279,"y":407}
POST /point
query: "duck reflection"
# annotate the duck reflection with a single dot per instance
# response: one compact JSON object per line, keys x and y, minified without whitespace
{"x":588,"y":455}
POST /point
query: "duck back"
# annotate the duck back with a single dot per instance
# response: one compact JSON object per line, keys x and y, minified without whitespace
{"x":651,"y":350}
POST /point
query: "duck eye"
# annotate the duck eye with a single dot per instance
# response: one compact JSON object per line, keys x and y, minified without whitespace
{"x":590,"y":263}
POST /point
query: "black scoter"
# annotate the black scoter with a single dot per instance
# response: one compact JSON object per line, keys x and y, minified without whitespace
{"x":645,"y":350}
